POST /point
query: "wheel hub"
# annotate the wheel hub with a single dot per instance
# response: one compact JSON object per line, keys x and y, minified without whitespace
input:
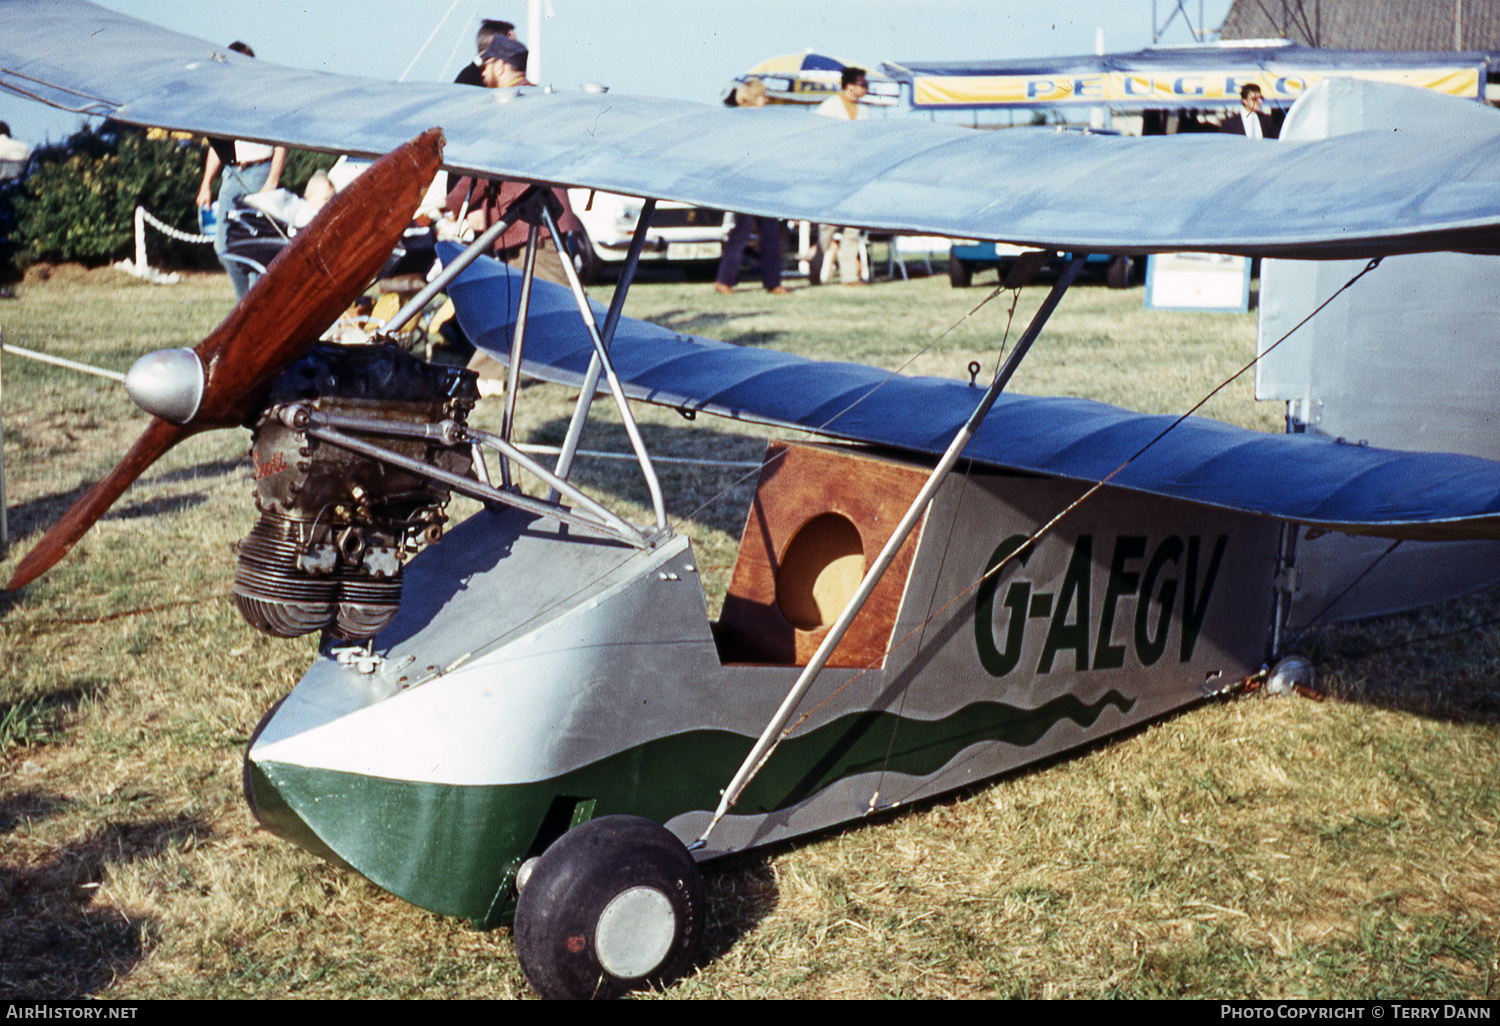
{"x":635,"y":932}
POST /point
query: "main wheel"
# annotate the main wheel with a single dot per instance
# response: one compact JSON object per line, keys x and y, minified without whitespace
{"x":960,"y":274}
{"x":1117,"y":275}
{"x":615,"y":904}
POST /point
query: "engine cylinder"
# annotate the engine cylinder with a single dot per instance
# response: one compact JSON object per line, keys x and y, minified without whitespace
{"x":336,"y":526}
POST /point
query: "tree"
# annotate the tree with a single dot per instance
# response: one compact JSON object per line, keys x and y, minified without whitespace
{"x":78,"y":200}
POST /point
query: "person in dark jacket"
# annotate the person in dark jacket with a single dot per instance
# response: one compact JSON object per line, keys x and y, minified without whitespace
{"x":473,"y":72}
{"x":1250,"y":120}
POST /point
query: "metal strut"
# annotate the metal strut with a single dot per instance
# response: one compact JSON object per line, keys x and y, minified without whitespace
{"x":606,"y":522}
{"x":601,"y":354}
{"x":586,"y":394}
{"x":770,"y":737}
{"x":456,"y":267}
{"x":532,"y":206}
{"x":517,"y":339}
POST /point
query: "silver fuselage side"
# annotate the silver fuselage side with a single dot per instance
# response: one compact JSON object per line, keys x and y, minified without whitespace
{"x":537,"y":676}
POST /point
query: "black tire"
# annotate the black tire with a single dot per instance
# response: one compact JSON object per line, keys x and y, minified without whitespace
{"x":455,"y":340}
{"x":614,"y":905}
{"x":960,"y":274}
{"x":585,"y":261}
{"x":1117,"y":275}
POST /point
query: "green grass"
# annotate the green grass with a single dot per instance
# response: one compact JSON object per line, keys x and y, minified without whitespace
{"x":1252,"y":848}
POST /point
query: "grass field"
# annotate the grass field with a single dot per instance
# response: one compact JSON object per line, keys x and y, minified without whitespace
{"x":1249,"y":848}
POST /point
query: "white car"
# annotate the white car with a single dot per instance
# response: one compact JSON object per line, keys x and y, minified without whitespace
{"x":692,"y":237}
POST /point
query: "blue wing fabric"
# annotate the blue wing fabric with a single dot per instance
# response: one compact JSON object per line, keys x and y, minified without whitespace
{"x":1358,"y":195}
{"x":1355,"y":489}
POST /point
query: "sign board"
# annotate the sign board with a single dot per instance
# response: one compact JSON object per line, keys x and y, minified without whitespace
{"x":1198,"y":281}
{"x":1180,"y":87}
{"x":1201,"y":78}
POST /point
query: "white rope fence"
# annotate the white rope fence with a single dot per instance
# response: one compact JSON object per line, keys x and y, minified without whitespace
{"x":140,"y":268}
{"x":58,"y":361}
{"x":142,"y":214}
{"x":4,"y":509}
{"x":74,"y":365}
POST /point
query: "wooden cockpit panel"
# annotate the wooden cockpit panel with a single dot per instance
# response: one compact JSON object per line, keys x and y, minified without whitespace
{"x":797,"y":562}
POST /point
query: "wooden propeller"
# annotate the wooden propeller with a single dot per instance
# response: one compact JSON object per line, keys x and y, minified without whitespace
{"x":319,"y":273}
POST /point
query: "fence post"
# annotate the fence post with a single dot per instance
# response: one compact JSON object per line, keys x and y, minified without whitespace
{"x":140,"y":240}
{"x":4,"y":514}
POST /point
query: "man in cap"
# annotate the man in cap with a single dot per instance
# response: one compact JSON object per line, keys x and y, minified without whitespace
{"x":503,"y":65}
{"x":473,"y":72}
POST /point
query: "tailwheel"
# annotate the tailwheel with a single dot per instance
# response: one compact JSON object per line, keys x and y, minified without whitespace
{"x":613,"y":905}
{"x":1293,"y":675}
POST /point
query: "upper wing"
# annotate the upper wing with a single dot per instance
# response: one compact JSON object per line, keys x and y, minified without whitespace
{"x":1351,"y":488}
{"x":1358,"y":195}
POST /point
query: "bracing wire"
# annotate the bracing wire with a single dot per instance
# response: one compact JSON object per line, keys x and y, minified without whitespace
{"x":891,"y":375}
{"x":1088,"y":493}
{"x":1339,"y":597}
{"x":952,"y":524}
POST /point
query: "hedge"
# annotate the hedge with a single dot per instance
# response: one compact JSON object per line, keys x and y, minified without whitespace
{"x":77,"y":201}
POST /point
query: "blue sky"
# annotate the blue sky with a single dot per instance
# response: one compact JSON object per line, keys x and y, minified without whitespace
{"x":685,"y":49}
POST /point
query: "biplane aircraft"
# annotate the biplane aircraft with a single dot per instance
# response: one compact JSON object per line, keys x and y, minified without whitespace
{"x":532,"y":719}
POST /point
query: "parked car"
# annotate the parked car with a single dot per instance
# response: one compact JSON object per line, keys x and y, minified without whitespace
{"x":968,"y":256}
{"x":692,"y":237}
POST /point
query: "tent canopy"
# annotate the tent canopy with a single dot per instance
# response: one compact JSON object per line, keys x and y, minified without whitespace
{"x":810,"y":77}
{"x":1205,"y":77}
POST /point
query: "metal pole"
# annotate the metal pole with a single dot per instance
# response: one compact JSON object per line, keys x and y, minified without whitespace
{"x":476,"y":248}
{"x":518,"y":454}
{"x":140,"y":240}
{"x":768,"y":738}
{"x":471,"y":487}
{"x":513,"y":381}
{"x":627,"y":272}
{"x":591,"y":379}
{"x":632,"y":430}
{"x":448,"y":433}
{"x":4,"y":515}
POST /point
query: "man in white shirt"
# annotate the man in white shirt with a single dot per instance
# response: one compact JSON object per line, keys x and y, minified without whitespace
{"x":1250,"y":121}
{"x":846,"y":106}
{"x":256,"y":168}
{"x":13,"y":154}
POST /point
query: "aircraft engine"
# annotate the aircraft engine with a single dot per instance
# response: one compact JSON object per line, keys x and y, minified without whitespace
{"x":336,"y":526}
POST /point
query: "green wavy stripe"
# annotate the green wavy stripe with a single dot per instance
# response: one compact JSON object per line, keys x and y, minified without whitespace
{"x":452,"y":848}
